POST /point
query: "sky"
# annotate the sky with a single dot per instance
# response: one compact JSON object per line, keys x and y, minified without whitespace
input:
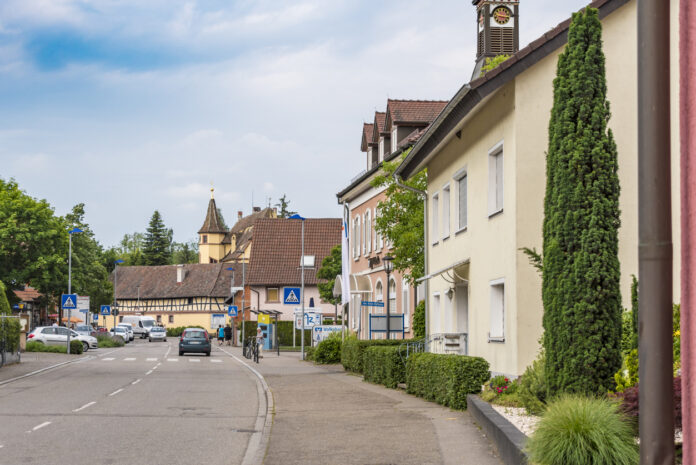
{"x":132,"y":106}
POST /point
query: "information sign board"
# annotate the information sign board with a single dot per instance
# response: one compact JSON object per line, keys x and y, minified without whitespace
{"x":321,"y":332}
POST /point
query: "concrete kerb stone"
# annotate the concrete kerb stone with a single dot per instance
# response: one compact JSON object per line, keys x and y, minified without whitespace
{"x":509,"y":441}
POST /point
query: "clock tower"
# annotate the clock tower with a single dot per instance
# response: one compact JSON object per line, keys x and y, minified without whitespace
{"x":498,"y":30}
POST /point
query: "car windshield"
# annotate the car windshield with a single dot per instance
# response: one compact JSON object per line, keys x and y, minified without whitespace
{"x":120,"y":329}
{"x":83,"y":328}
{"x":148,"y":323}
{"x":195,"y":334}
{"x":157,"y":329}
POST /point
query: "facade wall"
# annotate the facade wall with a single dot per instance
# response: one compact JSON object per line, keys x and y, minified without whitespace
{"x":182,"y":312}
{"x":212,"y":248}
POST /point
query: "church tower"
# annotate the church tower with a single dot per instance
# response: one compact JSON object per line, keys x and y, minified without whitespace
{"x":211,"y":234}
{"x":498,"y":30}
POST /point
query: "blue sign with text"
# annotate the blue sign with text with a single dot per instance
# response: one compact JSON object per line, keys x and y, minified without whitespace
{"x":291,"y":295}
{"x":367,"y":303}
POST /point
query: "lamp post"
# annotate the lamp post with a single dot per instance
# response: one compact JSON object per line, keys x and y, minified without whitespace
{"x":302,"y":266}
{"x":233,"y":293}
{"x":115,"y":305}
{"x":388,"y":267}
{"x":71,"y":232}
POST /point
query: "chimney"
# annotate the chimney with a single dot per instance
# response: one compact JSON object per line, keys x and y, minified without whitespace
{"x":240,"y":214}
{"x":498,"y":30}
{"x":180,"y":274}
{"x":257,"y":209}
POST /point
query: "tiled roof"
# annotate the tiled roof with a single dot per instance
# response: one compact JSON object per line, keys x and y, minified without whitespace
{"x":212,"y":223}
{"x":276,"y":249}
{"x":242,"y":242}
{"x":380,"y":118}
{"x":412,"y":138}
{"x":28,"y":294}
{"x":242,"y":224}
{"x":412,"y":112}
{"x":366,"y":136}
{"x":159,"y":282}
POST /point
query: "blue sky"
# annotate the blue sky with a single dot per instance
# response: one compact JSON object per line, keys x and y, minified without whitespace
{"x":135,"y":105}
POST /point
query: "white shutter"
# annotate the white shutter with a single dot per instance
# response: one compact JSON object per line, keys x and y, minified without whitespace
{"x":435,"y":315}
{"x":462,"y":201}
{"x":497,"y":312}
{"x":436,"y":218}
{"x":499,"y":180}
{"x":446,"y":212}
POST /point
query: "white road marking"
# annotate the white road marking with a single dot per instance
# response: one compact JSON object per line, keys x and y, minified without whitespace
{"x":152,"y":359}
{"x":129,"y":359}
{"x":149,"y":372}
{"x":160,"y":363}
{"x":84,"y":407}
{"x":136,"y":381}
{"x":38,"y":427}
{"x":108,"y":359}
{"x":116,"y":392}
{"x":154,"y":367}
{"x":194,"y":360}
{"x":172,"y":359}
{"x":215,"y":360}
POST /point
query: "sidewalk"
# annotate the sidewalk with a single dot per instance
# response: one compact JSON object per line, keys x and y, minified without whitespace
{"x":33,"y":361}
{"x":324,"y":415}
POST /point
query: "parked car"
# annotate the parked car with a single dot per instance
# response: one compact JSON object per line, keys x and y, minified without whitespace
{"x":86,"y":330}
{"x":141,"y":324}
{"x":121,"y":332}
{"x":158,"y":333}
{"x":129,"y":329}
{"x":58,"y":335}
{"x":194,"y":340}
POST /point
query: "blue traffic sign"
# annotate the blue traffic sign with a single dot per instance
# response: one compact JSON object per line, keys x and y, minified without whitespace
{"x":95,"y":317}
{"x":367,"y":303}
{"x":291,"y":295}
{"x":232,"y":310}
{"x":105,"y":310}
{"x":68,"y":301}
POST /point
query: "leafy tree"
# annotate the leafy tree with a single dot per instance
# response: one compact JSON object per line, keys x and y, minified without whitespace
{"x":185,"y":252}
{"x":33,"y":243}
{"x":330,"y":268}
{"x":400,"y":219}
{"x":222,"y":219}
{"x":492,"y":63}
{"x":283,"y":207}
{"x":634,"y":312}
{"x":156,"y":249}
{"x":580,"y":276}
{"x":419,"y":320}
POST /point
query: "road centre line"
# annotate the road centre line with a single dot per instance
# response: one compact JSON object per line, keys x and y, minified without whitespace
{"x":84,"y":406}
{"x":108,"y":359}
{"x":116,"y":392}
{"x":172,"y":359}
{"x":149,"y":372}
{"x":216,"y":360}
{"x":38,"y":427}
{"x":194,"y":360}
{"x":136,"y":381}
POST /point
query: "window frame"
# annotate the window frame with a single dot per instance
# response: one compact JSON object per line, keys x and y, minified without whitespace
{"x":435,"y":217}
{"x":496,"y":179}
{"x":277,"y":289}
{"x":458,"y":176}
{"x":446,"y":219}
{"x":436,"y":313}
{"x":496,"y":283}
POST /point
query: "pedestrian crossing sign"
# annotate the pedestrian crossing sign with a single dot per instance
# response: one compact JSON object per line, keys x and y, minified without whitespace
{"x":69,"y":301}
{"x":291,"y":295}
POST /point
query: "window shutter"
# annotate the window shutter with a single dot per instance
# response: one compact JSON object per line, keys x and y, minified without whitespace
{"x":497,"y":313}
{"x":499,"y":180}
{"x":436,"y":219}
{"x":462,"y":201}
{"x":445,"y":212}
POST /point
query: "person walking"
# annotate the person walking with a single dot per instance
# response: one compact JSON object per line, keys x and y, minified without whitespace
{"x":228,"y":334}
{"x":259,"y":341}
{"x":221,"y":334}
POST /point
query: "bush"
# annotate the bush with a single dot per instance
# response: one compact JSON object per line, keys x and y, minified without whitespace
{"x":533,"y":390}
{"x":580,"y":430}
{"x":309,"y":353}
{"x":445,"y":379}
{"x":9,"y":332}
{"x":419,"y":320}
{"x":384,"y":365}
{"x":353,"y":349}
{"x":329,"y":350}
{"x":107,"y":341}
{"x":628,"y":375}
{"x":630,"y":407}
{"x":34,"y":346}
{"x":177,"y":330}
{"x":76,"y":347}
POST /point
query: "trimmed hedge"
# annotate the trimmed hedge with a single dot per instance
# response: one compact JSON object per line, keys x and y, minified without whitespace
{"x":384,"y":365}
{"x":446,"y":379}
{"x":284,"y":332}
{"x":328,"y":351}
{"x":177,"y":330}
{"x":75,"y":347}
{"x":353,"y":350}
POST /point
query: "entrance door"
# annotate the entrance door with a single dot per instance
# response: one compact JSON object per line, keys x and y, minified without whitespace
{"x":462,"y":296}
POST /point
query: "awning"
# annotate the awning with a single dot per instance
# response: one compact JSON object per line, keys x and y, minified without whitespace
{"x":456,"y":273}
{"x":359,"y":284}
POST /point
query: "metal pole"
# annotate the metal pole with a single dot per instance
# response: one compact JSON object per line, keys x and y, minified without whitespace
{"x":243,"y":295}
{"x":343,"y":323}
{"x":388,"y":328}
{"x":656,"y":395}
{"x":302,"y":291}
{"x":277,"y":339}
{"x":115,"y":301}
{"x":69,"y":285}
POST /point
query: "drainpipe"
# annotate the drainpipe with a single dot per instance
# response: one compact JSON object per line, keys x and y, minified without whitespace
{"x":346,"y":221}
{"x":655,"y":235}
{"x":426,"y":267}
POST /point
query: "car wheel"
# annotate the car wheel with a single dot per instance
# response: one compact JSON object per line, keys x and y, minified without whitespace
{"x":165,"y":339}
{"x":180,"y":353}
{"x":207,"y":354}
{"x":150,"y":339}
{"x":85,"y":347}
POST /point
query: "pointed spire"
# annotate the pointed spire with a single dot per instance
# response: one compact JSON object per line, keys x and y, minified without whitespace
{"x":212,"y":223}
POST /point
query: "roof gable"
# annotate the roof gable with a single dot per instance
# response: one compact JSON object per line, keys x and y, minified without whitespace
{"x":412,"y":112}
{"x":366,"y":136}
{"x":378,"y":128}
{"x":212,"y":223}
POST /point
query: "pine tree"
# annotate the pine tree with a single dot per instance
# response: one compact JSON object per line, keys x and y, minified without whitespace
{"x":580,"y":289}
{"x":157,"y":250}
{"x":283,"y":206}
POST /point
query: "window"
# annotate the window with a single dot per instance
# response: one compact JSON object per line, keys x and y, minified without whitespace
{"x":308,"y":261}
{"x":461,"y":193}
{"x":367,"y":248}
{"x":120,"y":318}
{"x":392,"y":296}
{"x":435,"y":314}
{"x":497,"y":331}
{"x":495,"y":180}
{"x":381,"y":148}
{"x":205,"y":239}
{"x":190,"y":300}
{"x":356,"y":237}
{"x":379,"y":293}
{"x":171,"y":318}
{"x":272,"y":294}
{"x":159,"y":318}
{"x":394,"y":139}
{"x":446,"y":212}
{"x":436,"y":218}
{"x":378,"y":237}
{"x":404,"y":303}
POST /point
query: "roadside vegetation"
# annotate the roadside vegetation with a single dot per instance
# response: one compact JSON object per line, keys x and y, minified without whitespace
{"x":75,"y":347}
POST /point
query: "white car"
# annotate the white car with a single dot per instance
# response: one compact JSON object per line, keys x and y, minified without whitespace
{"x":157,"y":333}
{"x":58,"y":335}
{"x":129,"y":329}
{"x":121,"y":332}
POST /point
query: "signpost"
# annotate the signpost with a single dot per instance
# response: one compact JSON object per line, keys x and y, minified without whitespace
{"x":232,"y":310}
{"x":312,"y":318}
{"x":104,"y":310}
{"x":69,"y":302}
{"x":367,"y":303}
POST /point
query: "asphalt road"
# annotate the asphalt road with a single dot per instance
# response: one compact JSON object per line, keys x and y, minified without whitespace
{"x":140,"y":404}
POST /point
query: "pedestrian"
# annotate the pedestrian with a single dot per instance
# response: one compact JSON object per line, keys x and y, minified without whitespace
{"x":228,"y":334}
{"x":259,"y":341}
{"x":221,"y":334}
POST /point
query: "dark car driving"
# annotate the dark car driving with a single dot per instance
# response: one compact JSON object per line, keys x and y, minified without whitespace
{"x":194,"y":340}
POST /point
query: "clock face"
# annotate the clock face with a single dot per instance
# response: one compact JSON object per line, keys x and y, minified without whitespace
{"x":501,"y":15}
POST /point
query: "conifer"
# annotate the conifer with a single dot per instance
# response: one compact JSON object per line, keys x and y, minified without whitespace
{"x":157,"y":247}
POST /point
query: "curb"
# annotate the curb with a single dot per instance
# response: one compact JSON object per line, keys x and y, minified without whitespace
{"x":258,"y":443}
{"x":507,"y":438}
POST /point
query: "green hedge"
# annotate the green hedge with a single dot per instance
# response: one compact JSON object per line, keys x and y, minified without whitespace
{"x":384,"y":365}
{"x":328,"y":351}
{"x":177,"y":330}
{"x":75,"y":347}
{"x":284,"y":332}
{"x":353,"y":349}
{"x":446,"y":379}
{"x":9,"y":333}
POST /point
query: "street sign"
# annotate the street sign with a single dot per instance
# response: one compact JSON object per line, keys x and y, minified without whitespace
{"x":264,"y":319}
{"x":311,"y":319}
{"x":83,"y":303}
{"x":235,"y":289}
{"x":367,"y":303}
{"x":105,"y":310}
{"x":232,"y":310}
{"x":95,"y":317}
{"x":319,"y":333}
{"x":114,"y":312}
{"x":68,"y":301}
{"x":291,"y":295}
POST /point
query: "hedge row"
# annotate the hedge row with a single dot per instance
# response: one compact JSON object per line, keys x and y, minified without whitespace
{"x":285,"y":329}
{"x":9,"y":333}
{"x":384,"y":365}
{"x":353,"y":350}
{"x":446,"y":379}
{"x":177,"y":330}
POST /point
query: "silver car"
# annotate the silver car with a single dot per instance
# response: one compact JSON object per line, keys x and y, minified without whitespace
{"x":129,"y":329}
{"x":58,"y":335}
{"x":157,"y":333}
{"x":85,"y":330}
{"x":121,"y":332}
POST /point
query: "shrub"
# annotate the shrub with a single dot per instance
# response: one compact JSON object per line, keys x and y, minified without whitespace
{"x":107,"y":341}
{"x":580,"y":430}
{"x":384,"y":365}
{"x":628,"y":375}
{"x":177,"y":330}
{"x":309,"y":353}
{"x":76,"y":347}
{"x":329,"y":350}
{"x":533,"y":390}
{"x":445,"y":379}
{"x":353,"y":349}
{"x":419,"y":320}
{"x":9,"y":332}
{"x":34,"y":346}
{"x":631,"y":408}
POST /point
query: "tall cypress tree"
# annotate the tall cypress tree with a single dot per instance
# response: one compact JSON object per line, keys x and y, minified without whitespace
{"x":580,"y":290}
{"x":157,"y":250}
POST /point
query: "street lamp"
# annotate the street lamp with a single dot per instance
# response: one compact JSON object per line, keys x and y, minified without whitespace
{"x":71,"y":232}
{"x":116,"y":263}
{"x":388,"y":268}
{"x":302,"y":265}
{"x":232,"y":292}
